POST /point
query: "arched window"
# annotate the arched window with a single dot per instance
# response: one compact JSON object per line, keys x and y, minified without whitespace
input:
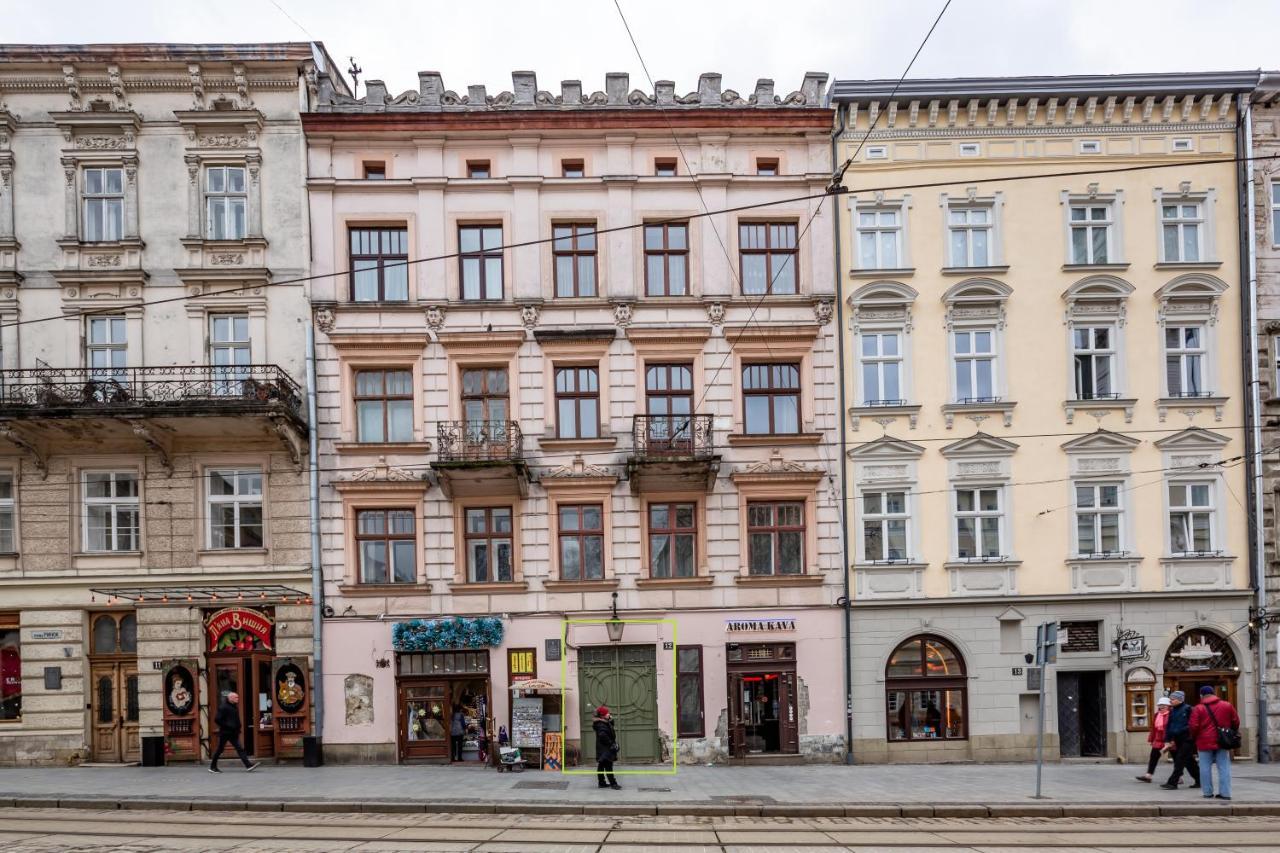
{"x":926,"y":697}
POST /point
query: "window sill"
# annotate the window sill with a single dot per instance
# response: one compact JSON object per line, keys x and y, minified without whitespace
{"x":374,"y":449}
{"x":1104,"y":560}
{"x":889,"y":566}
{"x":463,"y":588}
{"x":221,"y":558}
{"x":889,"y":272}
{"x":675,"y":583}
{"x":602,"y":443}
{"x":1189,"y":405}
{"x":383,"y":590}
{"x":231,"y":552}
{"x":1116,"y":267}
{"x":581,"y":586}
{"x":106,"y":560}
{"x":780,"y":580}
{"x":1187,"y":265}
{"x":1124,"y":404}
{"x":995,"y":270}
{"x":1198,"y":558}
{"x":961,"y":563}
{"x":857,"y":413}
{"x":741,"y":439}
{"x":1004,"y":407}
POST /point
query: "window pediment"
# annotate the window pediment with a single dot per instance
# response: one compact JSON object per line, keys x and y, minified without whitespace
{"x":976,"y":300}
{"x":886,"y":448}
{"x":979,"y":445}
{"x":1101,"y":441}
{"x":1098,"y":296}
{"x":1193,"y":438}
{"x":221,"y":129}
{"x":1193,"y":295}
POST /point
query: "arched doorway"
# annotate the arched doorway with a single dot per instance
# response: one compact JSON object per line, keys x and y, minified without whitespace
{"x":1201,"y":657}
{"x":926,"y":691}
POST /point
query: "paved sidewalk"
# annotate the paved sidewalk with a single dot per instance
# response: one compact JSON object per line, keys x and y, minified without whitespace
{"x":275,"y":787}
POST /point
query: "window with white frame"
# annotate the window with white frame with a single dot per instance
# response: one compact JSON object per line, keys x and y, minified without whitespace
{"x":975,"y":365}
{"x":226,"y":203}
{"x":103,"y":204}
{"x":1094,"y":356}
{"x":234,"y":502}
{"x":884,"y":526}
{"x":106,"y":347}
{"x":979,"y":519}
{"x":6,"y":513}
{"x":1098,"y":517}
{"x":879,"y":239}
{"x":1184,"y":360}
{"x":970,"y":236}
{"x":1091,"y":234}
{"x":1182,"y":231}
{"x":229,"y":350}
{"x":881,"y":358}
{"x":1191,"y":517}
{"x":110,"y":511}
{"x":1275,"y":212}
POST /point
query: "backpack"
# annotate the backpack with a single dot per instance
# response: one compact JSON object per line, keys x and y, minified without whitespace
{"x":1228,"y":736}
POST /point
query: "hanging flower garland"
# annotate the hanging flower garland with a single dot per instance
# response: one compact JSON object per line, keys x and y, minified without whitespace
{"x":456,"y":632}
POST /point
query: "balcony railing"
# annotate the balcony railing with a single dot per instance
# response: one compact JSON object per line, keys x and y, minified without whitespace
{"x":667,"y":436}
{"x":479,"y":441}
{"x":204,"y":388}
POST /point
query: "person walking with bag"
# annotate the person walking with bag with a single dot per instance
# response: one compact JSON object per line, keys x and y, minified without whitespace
{"x":1157,"y":738}
{"x":228,"y":721}
{"x":1179,"y":741}
{"x":606,"y":748}
{"x":1215,"y":728}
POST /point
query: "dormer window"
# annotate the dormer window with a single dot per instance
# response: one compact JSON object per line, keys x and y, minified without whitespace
{"x":572,"y":169}
{"x":664,"y":167}
{"x":478,"y":169}
{"x":375,"y":170}
{"x":767,"y":166}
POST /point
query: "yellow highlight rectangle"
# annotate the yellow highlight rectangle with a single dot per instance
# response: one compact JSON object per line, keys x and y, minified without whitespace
{"x":564,"y":681}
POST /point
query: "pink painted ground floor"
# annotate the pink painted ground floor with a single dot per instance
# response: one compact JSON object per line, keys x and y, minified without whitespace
{"x":713,"y":684}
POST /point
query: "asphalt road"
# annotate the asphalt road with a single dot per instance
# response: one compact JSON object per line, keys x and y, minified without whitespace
{"x":86,"y":831}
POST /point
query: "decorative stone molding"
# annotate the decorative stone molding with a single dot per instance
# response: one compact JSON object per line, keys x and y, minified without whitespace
{"x":576,"y":470}
{"x":324,"y":317}
{"x":823,"y":311}
{"x":435,"y":317}
{"x":384,"y":473}
{"x":9,"y":432}
{"x":976,"y":300}
{"x":529,"y":316}
{"x":622,"y":314}
{"x":715,"y":313}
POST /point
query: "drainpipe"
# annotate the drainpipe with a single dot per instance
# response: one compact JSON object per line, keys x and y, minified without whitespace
{"x":1253,"y":407}
{"x":840,"y":454}
{"x":317,"y":578}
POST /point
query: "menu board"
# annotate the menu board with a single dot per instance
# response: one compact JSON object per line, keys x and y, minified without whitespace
{"x":526,"y":722}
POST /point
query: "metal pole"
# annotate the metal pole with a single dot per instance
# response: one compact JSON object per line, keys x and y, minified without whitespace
{"x":313,"y":505}
{"x":1042,"y":662}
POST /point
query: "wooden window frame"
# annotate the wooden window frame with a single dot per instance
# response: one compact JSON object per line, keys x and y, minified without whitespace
{"x":696,"y":676}
{"x":374,"y":170}
{"x":107,"y":200}
{"x":238,"y":501}
{"x":666,"y":167}
{"x":482,"y":256}
{"x":582,"y":533}
{"x":668,"y":255}
{"x":384,"y":398}
{"x":773,"y":393}
{"x":242,"y":195}
{"x":388,"y":537}
{"x":769,"y":251}
{"x":577,"y":231}
{"x":381,"y":259}
{"x":115,"y":502}
{"x":489,"y":534}
{"x":767,"y":167}
{"x":672,"y":531}
{"x":668,"y":393}
{"x":117,"y":617}
{"x":476,"y":167}
{"x":569,"y":165}
{"x":576,"y":394}
{"x":910,"y":684}
{"x":484,"y":396}
{"x":1135,"y":685}
{"x":774,"y":529}
{"x":8,"y":512}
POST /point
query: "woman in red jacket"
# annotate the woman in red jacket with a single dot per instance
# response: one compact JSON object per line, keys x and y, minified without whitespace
{"x":1157,"y":737}
{"x":1206,"y":718}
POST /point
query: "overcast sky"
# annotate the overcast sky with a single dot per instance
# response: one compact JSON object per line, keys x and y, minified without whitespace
{"x":482,"y":41}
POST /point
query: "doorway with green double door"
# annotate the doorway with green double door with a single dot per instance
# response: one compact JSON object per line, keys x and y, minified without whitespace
{"x":625,"y":678}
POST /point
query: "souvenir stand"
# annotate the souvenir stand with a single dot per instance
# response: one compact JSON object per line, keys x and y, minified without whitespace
{"x":536,"y":710}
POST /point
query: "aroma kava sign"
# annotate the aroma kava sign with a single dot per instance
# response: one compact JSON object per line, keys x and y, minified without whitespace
{"x":755,"y":624}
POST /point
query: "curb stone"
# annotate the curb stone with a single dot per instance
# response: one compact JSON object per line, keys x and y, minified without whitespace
{"x":216,"y":805}
{"x":1134,"y":810}
{"x":872,"y":811}
{"x":35,"y":803}
{"x":1024,"y":810}
{"x":93,"y":803}
{"x":784,"y":810}
{"x":915,"y":811}
{"x":941,"y":810}
{"x":262,"y":806}
{"x":619,"y":809}
{"x":319,"y":806}
{"x":156,"y":805}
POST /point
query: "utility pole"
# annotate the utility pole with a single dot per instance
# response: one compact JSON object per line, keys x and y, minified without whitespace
{"x":1046,"y":653}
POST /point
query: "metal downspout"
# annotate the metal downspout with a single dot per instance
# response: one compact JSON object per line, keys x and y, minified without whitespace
{"x":317,"y":578}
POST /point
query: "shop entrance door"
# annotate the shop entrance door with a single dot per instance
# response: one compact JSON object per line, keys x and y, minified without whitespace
{"x":423,"y":721}
{"x":1082,"y":714}
{"x":762,"y":699}
{"x":250,"y":677}
{"x":114,"y":707}
{"x":625,"y":678}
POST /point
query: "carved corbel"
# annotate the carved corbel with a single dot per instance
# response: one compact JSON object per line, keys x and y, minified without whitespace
{"x":10,"y":434}
{"x":289,"y":438}
{"x":143,"y":431}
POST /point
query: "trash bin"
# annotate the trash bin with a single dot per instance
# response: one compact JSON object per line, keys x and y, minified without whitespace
{"x":312,"y":751}
{"x":153,"y":751}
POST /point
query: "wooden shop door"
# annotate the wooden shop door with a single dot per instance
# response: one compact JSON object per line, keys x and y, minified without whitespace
{"x":114,"y":709}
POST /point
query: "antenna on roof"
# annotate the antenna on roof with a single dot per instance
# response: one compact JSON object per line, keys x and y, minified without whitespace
{"x":355,"y":71}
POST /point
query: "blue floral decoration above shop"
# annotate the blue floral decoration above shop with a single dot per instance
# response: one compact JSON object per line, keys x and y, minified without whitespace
{"x":456,"y":632}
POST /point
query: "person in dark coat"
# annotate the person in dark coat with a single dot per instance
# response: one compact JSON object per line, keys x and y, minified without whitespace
{"x":1179,"y":740}
{"x":606,"y":748}
{"x":1211,"y":714}
{"x":227,"y":719}
{"x":457,"y":733}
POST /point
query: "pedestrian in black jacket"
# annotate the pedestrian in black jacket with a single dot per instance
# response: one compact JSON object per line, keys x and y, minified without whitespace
{"x":228,"y":722}
{"x":1178,"y":736}
{"x":606,"y":748}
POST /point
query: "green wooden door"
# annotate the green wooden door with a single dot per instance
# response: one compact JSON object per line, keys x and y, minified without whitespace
{"x":626,"y":679}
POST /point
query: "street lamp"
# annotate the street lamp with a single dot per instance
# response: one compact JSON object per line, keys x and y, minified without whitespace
{"x":615,"y":625}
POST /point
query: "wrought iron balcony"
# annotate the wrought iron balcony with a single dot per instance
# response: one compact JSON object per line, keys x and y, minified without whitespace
{"x":479,"y":441}
{"x":671,"y":437}
{"x":51,"y":392}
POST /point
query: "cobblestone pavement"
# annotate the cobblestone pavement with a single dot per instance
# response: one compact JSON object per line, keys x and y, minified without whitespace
{"x":976,"y":783}
{"x":45,"y":830}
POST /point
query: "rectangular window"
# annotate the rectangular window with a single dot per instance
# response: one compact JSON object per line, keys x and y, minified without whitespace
{"x":385,"y":546}
{"x":1184,"y":361}
{"x":673,"y":534}
{"x":110,"y":515}
{"x":879,"y":239}
{"x":480,"y":261}
{"x":767,"y":166}
{"x":10,"y":668}
{"x":103,"y":200}
{"x":226,"y":203}
{"x":379,"y":264}
{"x":384,"y":406}
{"x":664,"y":167}
{"x":574,"y":258}
{"x":235,"y":508}
{"x":970,"y":229}
{"x":106,"y":347}
{"x":1094,"y":356}
{"x":771,"y":399}
{"x":577,"y":402}
{"x":581,"y":541}
{"x":1098,"y":519}
{"x":6,"y":515}
{"x":775,"y":538}
{"x":1091,"y":234}
{"x":375,"y":170}
{"x":768,"y":256}
{"x":1275,"y":213}
{"x":488,"y":538}
{"x":884,"y":526}
{"x":572,"y":169}
{"x":1191,"y":512}
{"x":1090,"y":146}
{"x":979,"y":520}
{"x":689,"y":710}
{"x":229,"y":351}
{"x":485,"y":403}
{"x":478,"y":169}
{"x":975,"y":366}
{"x":666,"y":259}
{"x":881,"y":369}
{"x":668,"y":391}
{"x":1180,"y":226}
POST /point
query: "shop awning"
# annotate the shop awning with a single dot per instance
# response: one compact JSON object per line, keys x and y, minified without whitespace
{"x":204,"y":593}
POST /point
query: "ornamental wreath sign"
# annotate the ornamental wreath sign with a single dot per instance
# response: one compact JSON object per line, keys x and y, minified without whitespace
{"x":457,"y":632}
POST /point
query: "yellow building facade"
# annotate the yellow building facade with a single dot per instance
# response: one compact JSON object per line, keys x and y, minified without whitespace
{"x":1041,"y":314}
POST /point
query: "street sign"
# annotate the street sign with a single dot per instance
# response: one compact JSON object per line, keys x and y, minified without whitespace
{"x":1133,"y":648}
{"x":1047,"y":643}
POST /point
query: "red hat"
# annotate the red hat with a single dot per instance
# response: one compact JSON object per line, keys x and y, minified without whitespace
{"x":602,"y":711}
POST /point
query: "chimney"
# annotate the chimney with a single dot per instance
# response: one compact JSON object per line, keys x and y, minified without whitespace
{"x":430,"y":87}
{"x":477,"y":98}
{"x":709,"y":89}
{"x":524,"y":85}
{"x":815,"y":83}
{"x":764,"y":92}
{"x":375,"y":93}
{"x":615,"y":87}
{"x":571,"y":92}
{"x":664,"y":92}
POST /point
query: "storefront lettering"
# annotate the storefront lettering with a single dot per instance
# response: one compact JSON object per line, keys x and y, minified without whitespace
{"x":787,"y":624}
{"x":249,"y":624}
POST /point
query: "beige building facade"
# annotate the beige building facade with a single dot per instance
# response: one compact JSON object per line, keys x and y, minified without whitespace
{"x":1041,"y":284}
{"x":153,"y":432}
